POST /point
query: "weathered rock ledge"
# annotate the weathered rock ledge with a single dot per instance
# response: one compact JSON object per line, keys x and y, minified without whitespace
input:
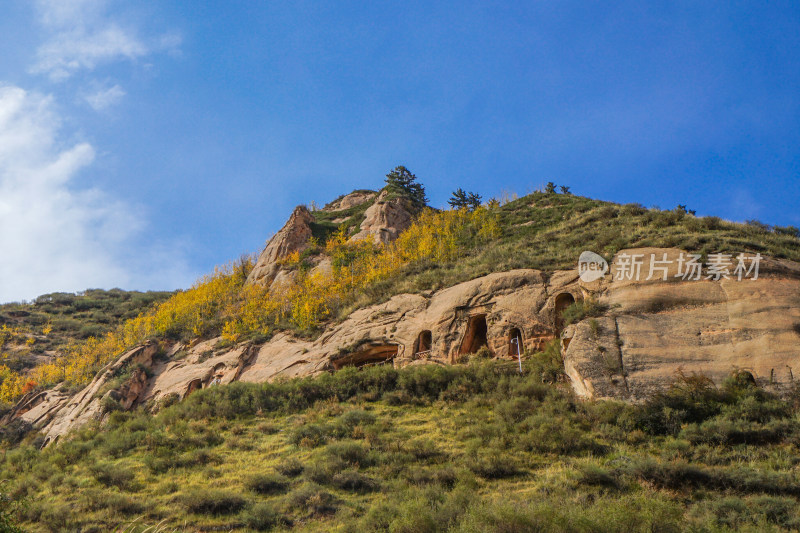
{"x":652,"y":330}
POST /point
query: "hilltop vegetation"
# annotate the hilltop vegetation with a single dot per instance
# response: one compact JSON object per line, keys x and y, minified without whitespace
{"x":544,"y":230}
{"x":474,"y":447}
{"x":37,"y":333}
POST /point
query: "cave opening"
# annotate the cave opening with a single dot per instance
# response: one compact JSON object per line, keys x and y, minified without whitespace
{"x":424,"y":342}
{"x":374,"y":354}
{"x":562,"y":302}
{"x":193,"y":385}
{"x":476,"y":335}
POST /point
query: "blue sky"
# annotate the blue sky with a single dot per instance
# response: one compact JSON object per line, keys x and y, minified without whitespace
{"x":142,"y":143}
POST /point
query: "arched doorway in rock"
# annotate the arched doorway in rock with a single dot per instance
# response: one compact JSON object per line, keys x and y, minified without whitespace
{"x":193,"y":386}
{"x":563,"y":301}
{"x":424,"y":342}
{"x":368,"y":355}
{"x":515,"y":346}
{"x":475,"y":337}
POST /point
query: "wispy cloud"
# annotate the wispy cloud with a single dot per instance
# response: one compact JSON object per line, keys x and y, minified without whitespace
{"x":83,"y":36}
{"x":102,"y":99}
{"x":54,"y":237}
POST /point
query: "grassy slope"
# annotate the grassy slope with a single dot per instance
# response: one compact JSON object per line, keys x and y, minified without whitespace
{"x":71,"y":318}
{"x":549,"y":231}
{"x":464,"y":448}
{"x":464,"y":451}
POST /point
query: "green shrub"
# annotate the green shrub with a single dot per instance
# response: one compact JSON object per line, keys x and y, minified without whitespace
{"x":12,"y":433}
{"x":353,"y":481}
{"x":357,"y":417}
{"x":311,"y":499}
{"x":494,"y":466}
{"x":290,"y":467}
{"x":352,"y":453}
{"x":445,"y":477}
{"x":685,"y":476}
{"x":424,"y":450}
{"x":262,"y":517}
{"x":124,"y":504}
{"x":112,"y":475}
{"x":580,"y":309}
{"x":8,"y":512}
{"x":596,"y":476}
{"x":213,"y":501}
{"x":267,"y":483}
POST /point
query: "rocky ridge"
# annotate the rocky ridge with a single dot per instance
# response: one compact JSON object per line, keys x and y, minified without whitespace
{"x":651,"y":330}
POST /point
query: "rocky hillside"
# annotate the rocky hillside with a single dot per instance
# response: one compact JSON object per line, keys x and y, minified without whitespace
{"x":39,"y":332}
{"x":361,"y":215}
{"x":509,"y":296}
{"x":483,"y":313}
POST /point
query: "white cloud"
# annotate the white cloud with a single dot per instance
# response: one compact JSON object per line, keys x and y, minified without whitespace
{"x":105,"y":98}
{"x":67,"y":12}
{"x":83,"y":36}
{"x":54,"y":237}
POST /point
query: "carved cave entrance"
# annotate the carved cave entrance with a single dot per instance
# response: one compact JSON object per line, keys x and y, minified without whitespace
{"x":193,"y":385}
{"x":424,"y":342}
{"x":515,"y":342}
{"x":475,"y":338}
{"x":562,"y":302}
{"x":368,"y":356}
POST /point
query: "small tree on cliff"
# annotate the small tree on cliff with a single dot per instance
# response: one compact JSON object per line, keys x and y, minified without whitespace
{"x":402,"y":182}
{"x":462,"y":199}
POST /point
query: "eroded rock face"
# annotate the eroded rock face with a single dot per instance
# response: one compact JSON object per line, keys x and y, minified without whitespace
{"x":385,"y":220}
{"x":351,"y":200}
{"x":652,"y":330}
{"x":56,"y":413}
{"x":292,"y":237}
{"x":387,"y":333}
{"x":658,"y":328}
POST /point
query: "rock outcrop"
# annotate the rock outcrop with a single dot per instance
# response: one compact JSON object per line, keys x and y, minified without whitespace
{"x":56,"y":412}
{"x":350,"y":200}
{"x":292,"y":237}
{"x":655,"y":329}
{"x":651,"y":330}
{"x":385,"y":219}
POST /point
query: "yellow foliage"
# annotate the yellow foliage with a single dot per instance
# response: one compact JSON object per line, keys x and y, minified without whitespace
{"x":290,"y":259}
{"x":9,"y":333}
{"x":221,"y":302}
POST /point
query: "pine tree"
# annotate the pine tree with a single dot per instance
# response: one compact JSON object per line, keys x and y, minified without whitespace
{"x":473,"y":201}
{"x":459,"y":199}
{"x":402,"y":182}
{"x":462,"y":199}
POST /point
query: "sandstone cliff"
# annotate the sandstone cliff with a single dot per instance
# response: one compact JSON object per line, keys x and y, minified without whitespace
{"x":383,"y":220}
{"x":651,"y":330}
{"x":292,"y":237}
{"x":656,"y":328}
